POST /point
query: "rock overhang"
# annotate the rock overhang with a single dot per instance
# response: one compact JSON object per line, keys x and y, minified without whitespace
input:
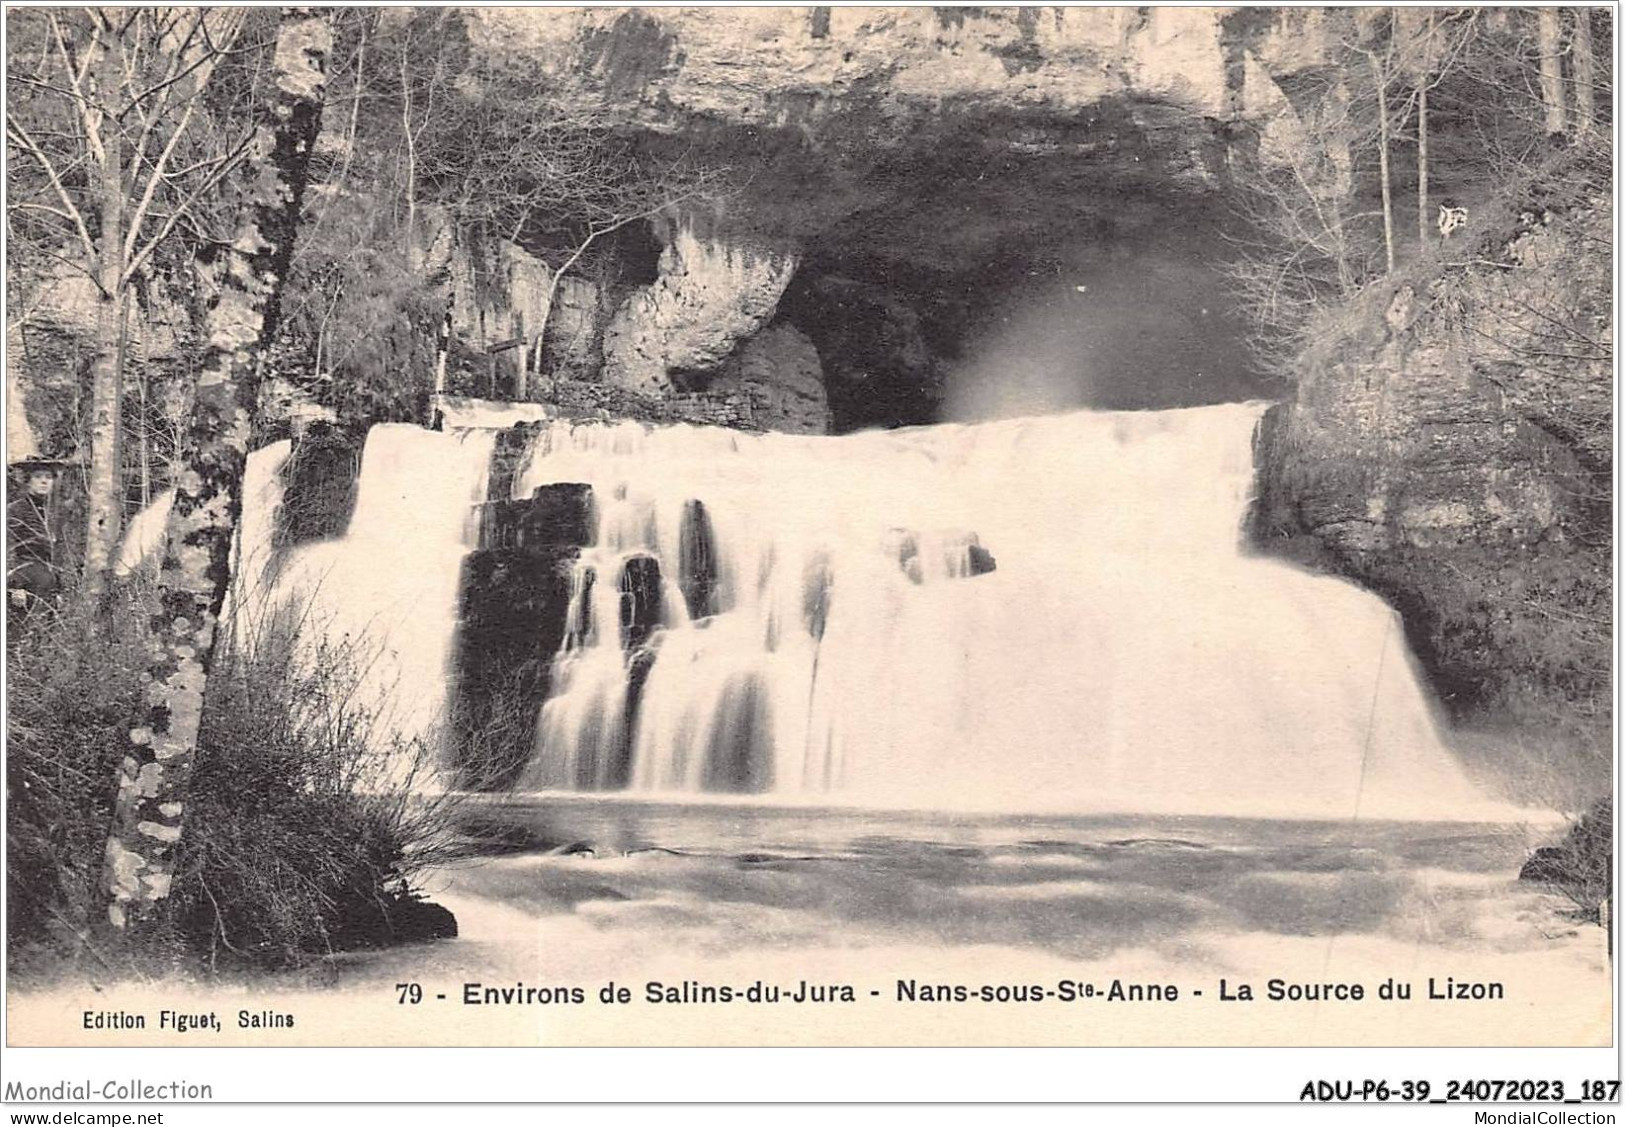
{"x":828,"y":114}
{"x":932,"y":152}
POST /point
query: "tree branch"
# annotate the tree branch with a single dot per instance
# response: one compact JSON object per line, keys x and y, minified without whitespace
{"x":21,"y":136}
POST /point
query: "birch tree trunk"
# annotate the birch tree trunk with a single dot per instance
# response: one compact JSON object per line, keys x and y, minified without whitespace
{"x":1422,"y":222}
{"x":1551,"y":68}
{"x":1425,"y":76}
{"x":104,"y":503}
{"x":1585,"y":73}
{"x":150,"y":808}
{"x":1379,"y":72}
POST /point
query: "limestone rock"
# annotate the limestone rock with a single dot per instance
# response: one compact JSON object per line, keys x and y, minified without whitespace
{"x":573,"y":345}
{"x":1431,"y":465}
{"x":767,"y":66}
{"x":513,"y":604}
{"x":779,"y":370}
{"x":710,"y":293}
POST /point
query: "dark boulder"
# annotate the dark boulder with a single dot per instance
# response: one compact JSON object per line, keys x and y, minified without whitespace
{"x":641,"y":603}
{"x":558,"y":515}
{"x":319,"y":482}
{"x":509,"y":454}
{"x":697,"y":561}
{"x":514,"y":601}
{"x":389,"y":919}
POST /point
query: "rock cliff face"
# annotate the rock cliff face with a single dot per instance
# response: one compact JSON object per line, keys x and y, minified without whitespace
{"x":931,"y":156}
{"x":1437,"y":452}
{"x":805,"y":66}
{"x":841,"y":116}
{"x":779,"y":371}
{"x":710,"y":294}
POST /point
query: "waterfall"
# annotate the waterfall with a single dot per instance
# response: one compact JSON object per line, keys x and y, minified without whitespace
{"x":1051,"y":613}
{"x":382,"y":599}
{"x":1044,"y":612}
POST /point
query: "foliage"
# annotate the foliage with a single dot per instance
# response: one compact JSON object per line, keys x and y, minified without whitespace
{"x":361,"y":321}
{"x":324,"y":855}
{"x":1535,"y":310}
{"x":1416,"y":107}
{"x":72,"y":688}
{"x":1581,"y":866}
{"x":304,"y":835}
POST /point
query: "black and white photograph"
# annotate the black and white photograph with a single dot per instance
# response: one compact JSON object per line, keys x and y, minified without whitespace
{"x":598,"y":526}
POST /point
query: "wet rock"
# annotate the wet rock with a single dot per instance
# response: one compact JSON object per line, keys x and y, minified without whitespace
{"x":905,"y":546}
{"x":558,"y":515}
{"x":1582,"y":864}
{"x":697,"y":561}
{"x":638,"y":667}
{"x":778,"y":369}
{"x":319,"y":485}
{"x":641,"y":606}
{"x":512,"y":612}
{"x":514,"y":601}
{"x":964,"y":555}
{"x":1472,"y":495}
{"x":389,"y":920}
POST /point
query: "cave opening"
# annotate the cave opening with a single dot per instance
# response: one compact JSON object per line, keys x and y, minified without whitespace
{"x":1096,"y":316}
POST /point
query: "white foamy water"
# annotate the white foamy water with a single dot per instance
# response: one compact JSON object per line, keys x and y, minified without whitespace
{"x":1126,"y":654}
{"x":384,"y":595}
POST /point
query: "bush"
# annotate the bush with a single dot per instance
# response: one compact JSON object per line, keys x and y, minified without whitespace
{"x":1581,"y":866}
{"x":305,"y":830}
{"x":302,"y":835}
{"x":72,"y":687}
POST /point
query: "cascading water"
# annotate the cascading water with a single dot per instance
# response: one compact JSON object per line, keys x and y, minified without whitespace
{"x":382,"y":597}
{"x":816,"y":618}
{"x":1043,"y":613}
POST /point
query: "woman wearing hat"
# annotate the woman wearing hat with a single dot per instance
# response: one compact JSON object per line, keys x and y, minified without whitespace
{"x":31,"y":565}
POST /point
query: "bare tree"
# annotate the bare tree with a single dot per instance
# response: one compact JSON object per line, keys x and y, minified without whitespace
{"x":1550,"y":44}
{"x":442,"y":141}
{"x":506,"y":160}
{"x":112,"y":153}
{"x":1379,"y":65}
{"x":1584,"y":55}
{"x":245,"y":275}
